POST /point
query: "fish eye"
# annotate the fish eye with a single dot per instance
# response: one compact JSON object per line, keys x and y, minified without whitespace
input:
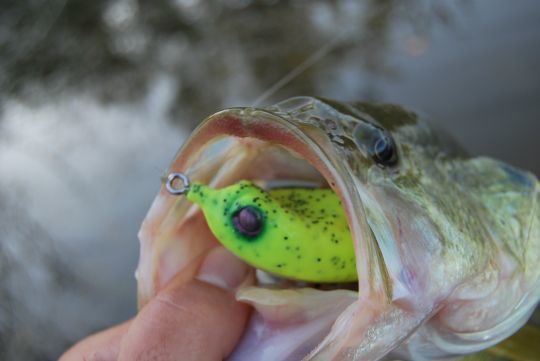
{"x":248,"y":221}
{"x":376,"y":143}
{"x":384,"y":150}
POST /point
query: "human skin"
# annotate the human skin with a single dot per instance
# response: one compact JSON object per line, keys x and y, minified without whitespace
{"x":180,"y":321}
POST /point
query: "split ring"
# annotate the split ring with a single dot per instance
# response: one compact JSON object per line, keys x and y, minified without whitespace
{"x":170,"y":183}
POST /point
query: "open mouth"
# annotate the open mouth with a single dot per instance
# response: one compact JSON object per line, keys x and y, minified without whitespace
{"x":225,"y":151}
{"x":255,"y":145}
{"x":271,"y":167}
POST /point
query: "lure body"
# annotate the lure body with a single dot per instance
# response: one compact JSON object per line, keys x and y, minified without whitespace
{"x":299,"y":233}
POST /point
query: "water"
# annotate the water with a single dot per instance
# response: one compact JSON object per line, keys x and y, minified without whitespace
{"x":96,"y":97}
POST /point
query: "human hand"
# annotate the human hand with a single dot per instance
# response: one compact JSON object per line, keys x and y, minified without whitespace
{"x":195,"y":320}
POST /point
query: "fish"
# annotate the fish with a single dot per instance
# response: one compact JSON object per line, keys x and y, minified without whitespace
{"x":446,"y":245}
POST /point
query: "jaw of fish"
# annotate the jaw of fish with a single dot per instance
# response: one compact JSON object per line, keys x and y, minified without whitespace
{"x":238,"y":145}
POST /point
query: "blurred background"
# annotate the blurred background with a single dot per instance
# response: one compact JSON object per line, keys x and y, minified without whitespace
{"x":97,"y":96}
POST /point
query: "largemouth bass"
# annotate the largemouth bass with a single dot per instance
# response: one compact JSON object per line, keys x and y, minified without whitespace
{"x":447,"y":246}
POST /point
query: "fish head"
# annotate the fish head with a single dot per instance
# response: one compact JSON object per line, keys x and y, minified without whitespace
{"x":408,"y":219}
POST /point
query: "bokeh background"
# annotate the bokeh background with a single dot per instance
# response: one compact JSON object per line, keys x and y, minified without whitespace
{"x":97,"y":96}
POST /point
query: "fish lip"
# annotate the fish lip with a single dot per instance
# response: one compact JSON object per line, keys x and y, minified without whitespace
{"x":276,"y":128}
{"x":250,"y":123}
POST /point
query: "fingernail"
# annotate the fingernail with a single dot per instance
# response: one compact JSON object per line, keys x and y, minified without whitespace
{"x":223,"y":269}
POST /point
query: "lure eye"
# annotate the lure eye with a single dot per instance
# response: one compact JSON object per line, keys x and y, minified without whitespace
{"x":384,"y":150}
{"x":248,"y":221}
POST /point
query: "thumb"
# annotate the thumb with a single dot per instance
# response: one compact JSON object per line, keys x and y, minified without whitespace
{"x":192,"y":321}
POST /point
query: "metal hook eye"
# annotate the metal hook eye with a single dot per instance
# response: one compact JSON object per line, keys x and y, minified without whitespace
{"x":170,"y":183}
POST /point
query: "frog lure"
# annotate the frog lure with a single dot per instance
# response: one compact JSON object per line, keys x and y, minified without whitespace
{"x":296,"y":233}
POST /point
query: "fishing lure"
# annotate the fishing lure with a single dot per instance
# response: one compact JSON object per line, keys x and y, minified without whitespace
{"x":296,"y":233}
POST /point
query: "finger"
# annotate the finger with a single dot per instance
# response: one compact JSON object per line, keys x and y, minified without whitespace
{"x":102,"y":346}
{"x":196,"y":320}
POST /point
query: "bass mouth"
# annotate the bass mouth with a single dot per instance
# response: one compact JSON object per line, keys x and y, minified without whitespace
{"x":233,"y":145}
{"x":270,"y":166}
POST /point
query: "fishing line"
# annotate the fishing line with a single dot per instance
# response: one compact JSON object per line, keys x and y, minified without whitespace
{"x":299,"y":69}
{"x":170,"y":179}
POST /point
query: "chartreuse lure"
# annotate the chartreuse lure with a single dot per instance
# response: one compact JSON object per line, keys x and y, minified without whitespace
{"x":296,"y":233}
